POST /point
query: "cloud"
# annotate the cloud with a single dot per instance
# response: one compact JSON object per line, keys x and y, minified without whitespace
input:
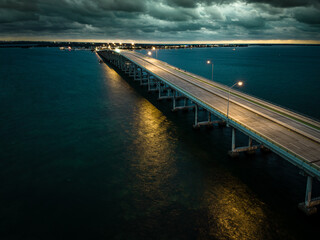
{"x":161,"y":19}
{"x":309,"y":16}
{"x":287,"y":3}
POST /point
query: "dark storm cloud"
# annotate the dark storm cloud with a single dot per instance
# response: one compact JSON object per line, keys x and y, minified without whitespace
{"x":288,"y":3}
{"x":161,"y":19}
{"x":122,"y":5}
{"x":308,"y":16}
{"x":194,"y":3}
{"x":10,"y":16}
{"x":19,"y":5}
{"x":173,"y":14}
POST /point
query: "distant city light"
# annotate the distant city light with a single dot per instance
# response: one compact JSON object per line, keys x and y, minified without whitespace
{"x":240,"y":83}
{"x":117,"y":50}
{"x":208,"y":62}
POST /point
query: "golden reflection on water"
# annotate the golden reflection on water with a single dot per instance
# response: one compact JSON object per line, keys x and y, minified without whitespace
{"x":233,"y":211}
{"x":153,"y":164}
{"x":154,"y":149}
{"x":150,"y":145}
{"x":114,"y":80}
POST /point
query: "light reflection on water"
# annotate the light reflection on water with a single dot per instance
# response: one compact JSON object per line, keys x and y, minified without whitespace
{"x":233,"y":210}
{"x":154,"y":161}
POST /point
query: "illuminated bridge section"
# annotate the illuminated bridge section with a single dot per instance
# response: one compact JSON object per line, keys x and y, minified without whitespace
{"x":294,"y":137}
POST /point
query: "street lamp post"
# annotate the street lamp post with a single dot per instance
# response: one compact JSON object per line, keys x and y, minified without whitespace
{"x":209,"y":62}
{"x":153,"y":48}
{"x":149,"y":53}
{"x":240,"y":83}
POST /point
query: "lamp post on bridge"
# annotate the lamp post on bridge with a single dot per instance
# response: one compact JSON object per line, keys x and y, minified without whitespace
{"x":153,"y":48}
{"x":239,"y":83}
{"x":210,"y":62}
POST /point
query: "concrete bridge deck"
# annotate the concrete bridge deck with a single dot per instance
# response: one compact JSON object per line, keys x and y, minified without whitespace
{"x":293,"y":136}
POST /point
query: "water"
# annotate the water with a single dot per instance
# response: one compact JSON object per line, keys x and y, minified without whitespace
{"x":86,"y":154}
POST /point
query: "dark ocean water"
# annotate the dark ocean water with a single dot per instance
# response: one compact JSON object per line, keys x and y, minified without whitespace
{"x":87,"y":154}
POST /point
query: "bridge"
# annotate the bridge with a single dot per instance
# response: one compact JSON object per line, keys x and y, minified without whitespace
{"x":294,"y":137}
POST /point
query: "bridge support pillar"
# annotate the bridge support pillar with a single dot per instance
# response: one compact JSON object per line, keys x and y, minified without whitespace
{"x":196,"y":125}
{"x":145,"y":79}
{"x":209,"y":123}
{"x":233,"y":144}
{"x":160,"y":89}
{"x":166,"y":90}
{"x":123,"y":65}
{"x":131,"y":70}
{"x":232,"y":152}
{"x":251,"y":149}
{"x":152,"y":82}
{"x":135,"y":72}
{"x":184,"y":106}
{"x":309,"y":204}
{"x":139,"y":73}
{"x":128,"y":68}
{"x":141,"y":78}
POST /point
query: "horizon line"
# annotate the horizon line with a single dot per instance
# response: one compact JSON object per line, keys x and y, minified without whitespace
{"x":247,"y":41}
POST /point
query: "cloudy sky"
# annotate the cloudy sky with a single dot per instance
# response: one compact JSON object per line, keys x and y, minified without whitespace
{"x":160,"y":20}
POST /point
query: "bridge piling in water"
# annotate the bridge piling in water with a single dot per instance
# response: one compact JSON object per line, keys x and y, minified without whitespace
{"x":309,"y":204}
{"x":185,"y":106}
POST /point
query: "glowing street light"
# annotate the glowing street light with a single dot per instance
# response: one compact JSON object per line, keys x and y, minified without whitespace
{"x":149,"y":53}
{"x":153,"y":48}
{"x":239,"y":83}
{"x":209,"y":62}
{"x":117,"y":50}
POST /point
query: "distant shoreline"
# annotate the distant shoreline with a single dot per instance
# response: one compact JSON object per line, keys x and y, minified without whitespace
{"x":92,"y":46}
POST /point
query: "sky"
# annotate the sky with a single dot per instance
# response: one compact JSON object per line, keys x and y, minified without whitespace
{"x":211,"y":21}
